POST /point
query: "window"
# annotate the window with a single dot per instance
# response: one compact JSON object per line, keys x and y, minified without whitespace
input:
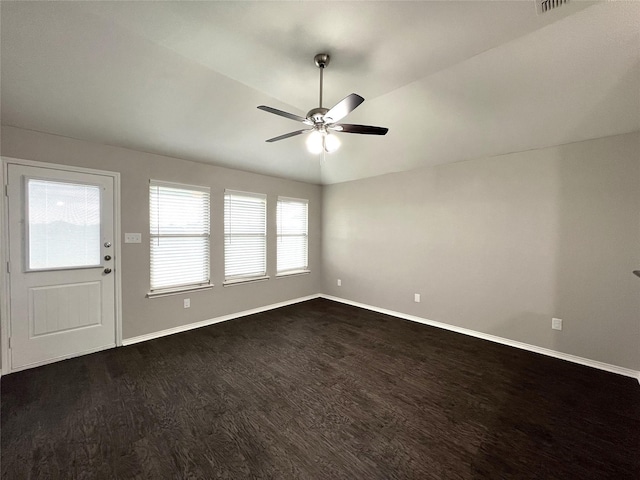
{"x":245,"y":236}
{"x":179,"y":235}
{"x":292,"y":235}
{"x":63,"y":224}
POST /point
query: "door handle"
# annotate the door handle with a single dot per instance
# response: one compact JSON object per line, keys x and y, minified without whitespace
{"x":107,"y":270}
{"x":637,"y":272}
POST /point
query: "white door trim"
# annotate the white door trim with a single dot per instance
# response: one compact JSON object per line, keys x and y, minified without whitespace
{"x":4,"y":251}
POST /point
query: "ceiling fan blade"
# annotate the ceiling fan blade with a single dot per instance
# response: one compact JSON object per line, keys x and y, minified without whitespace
{"x":364,"y":129}
{"x":290,"y":134}
{"x":291,"y":116}
{"x":343,"y":108}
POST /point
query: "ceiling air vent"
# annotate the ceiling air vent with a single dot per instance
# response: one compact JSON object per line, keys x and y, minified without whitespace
{"x":543,"y":6}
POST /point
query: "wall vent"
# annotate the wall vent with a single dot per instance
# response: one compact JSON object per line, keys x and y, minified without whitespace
{"x":543,"y":6}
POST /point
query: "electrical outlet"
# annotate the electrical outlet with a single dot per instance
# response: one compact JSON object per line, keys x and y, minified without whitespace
{"x":556,"y":323}
{"x":187,"y":302}
{"x":416,"y":297}
{"x":339,"y":282}
{"x":132,"y":238}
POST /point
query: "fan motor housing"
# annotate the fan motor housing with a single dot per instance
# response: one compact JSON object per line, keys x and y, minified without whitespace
{"x":316,"y":115}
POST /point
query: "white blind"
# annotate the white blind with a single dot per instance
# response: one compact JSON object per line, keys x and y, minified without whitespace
{"x":179,"y":233}
{"x":245,"y":235}
{"x":292,"y":234}
{"x":63,"y":224}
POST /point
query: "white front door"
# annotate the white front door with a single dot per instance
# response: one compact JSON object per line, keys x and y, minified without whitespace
{"x":61,"y":262}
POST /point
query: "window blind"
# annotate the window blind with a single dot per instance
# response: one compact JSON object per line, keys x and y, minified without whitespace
{"x":245,"y":235}
{"x":63,"y":222}
{"x":292,"y":235}
{"x":179,"y":235}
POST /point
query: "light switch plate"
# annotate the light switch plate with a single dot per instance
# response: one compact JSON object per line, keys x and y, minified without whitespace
{"x":132,"y":238}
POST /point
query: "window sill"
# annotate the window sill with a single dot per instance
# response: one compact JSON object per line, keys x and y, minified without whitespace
{"x":178,"y":291}
{"x":293,"y":273}
{"x":240,"y":281}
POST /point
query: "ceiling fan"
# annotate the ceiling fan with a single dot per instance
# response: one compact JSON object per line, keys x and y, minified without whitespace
{"x":323,"y":122}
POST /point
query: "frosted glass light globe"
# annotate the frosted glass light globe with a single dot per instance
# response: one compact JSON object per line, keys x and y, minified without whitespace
{"x":314,"y":142}
{"x":331,"y":143}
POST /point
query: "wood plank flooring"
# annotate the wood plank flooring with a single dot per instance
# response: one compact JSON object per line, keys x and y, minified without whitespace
{"x":319,"y":390}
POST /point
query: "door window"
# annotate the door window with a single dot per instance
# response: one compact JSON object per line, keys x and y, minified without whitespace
{"x":63,"y":225}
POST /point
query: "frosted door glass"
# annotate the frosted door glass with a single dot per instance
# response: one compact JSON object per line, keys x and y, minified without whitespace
{"x":64,"y":224}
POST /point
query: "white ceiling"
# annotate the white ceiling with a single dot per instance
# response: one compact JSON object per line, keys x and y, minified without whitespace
{"x":452,"y":80}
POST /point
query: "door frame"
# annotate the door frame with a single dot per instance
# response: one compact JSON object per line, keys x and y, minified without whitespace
{"x":5,"y":323}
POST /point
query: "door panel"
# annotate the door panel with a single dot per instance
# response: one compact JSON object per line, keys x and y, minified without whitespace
{"x":62,"y":300}
{"x":59,"y":308}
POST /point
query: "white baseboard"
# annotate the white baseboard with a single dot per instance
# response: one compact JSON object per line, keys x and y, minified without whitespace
{"x":627,"y":372}
{"x":211,"y":321}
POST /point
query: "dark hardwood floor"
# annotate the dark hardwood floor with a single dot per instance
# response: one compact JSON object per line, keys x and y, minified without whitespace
{"x":319,"y":390}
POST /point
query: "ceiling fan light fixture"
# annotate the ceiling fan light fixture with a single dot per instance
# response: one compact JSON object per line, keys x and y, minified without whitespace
{"x":319,"y":141}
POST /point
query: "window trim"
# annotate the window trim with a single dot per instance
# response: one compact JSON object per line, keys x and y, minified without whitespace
{"x":27,"y":226}
{"x":165,"y":292}
{"x":291,"y":273}
{"x":241,"y":281}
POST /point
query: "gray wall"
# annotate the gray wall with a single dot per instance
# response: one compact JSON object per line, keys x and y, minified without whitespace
{"x":497,"y":245}
{"x":501,"y":245}
{"x":140,"y":314}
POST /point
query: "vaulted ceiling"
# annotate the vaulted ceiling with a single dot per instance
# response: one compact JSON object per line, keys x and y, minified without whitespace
{"x":451,"y":80}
